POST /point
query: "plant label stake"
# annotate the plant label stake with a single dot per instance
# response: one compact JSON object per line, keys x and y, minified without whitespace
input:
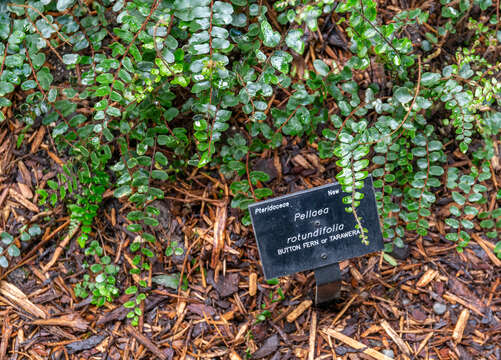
{"x":311,"y":230}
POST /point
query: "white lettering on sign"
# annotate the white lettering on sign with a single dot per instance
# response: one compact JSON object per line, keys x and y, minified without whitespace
{"x":317,"y":232}
{"x":316,"y":242}
{"x":332,"y":192}
{"x":309,"y":244}
{"x":310,"y":214}
{"x":288,"y":249}
{"x":269,"y":208}
{"x":344,"y":235}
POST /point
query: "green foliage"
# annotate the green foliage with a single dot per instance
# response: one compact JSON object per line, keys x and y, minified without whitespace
{"x":265,"y":314}
{"x":465,"y":193}
{"x":101,"y":279}
{"x":171,"y":281}
{"x":9,"y":248}
{"x":497,"y":249}
{"x":171,"y":86}
{"x":173,"y":249}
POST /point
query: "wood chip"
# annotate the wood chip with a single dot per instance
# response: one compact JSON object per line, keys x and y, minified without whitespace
{"x":356,"y":274}
{"x":146,"y":342}
{"x":229,"y":315}
{"x":23,"y":201}
{"x":24,"y":172}
{"x":356,"y":345}
{"x":300,"y":161}
{"x":313,"y":335}
{"x":278,"y":165}
{"x":73,"y":321}
{"x":37,"y":140}
{"x":402,"y":345}
{"x":456,"y":299}
{"x":219,"y":228}
{"x":371,"y":330}
{"x":60,"y":248}
{"x":25,"y":190}
{"x":427,"y":278}
{"x":457,"y":335}
{"x":409,"y":289}
{"x":424,"y":342}
{"x":241,"y":332}
{"x":487,"y":250}
{"x":6,"y":333}
{"x":315,"y":161}
{"x":3,"y":195}
{"x":343,"y":310}
{"x":15,"y":295}
{"x":252,"y":284}
{"x":298,"y":310}
{"x":53,"y":156}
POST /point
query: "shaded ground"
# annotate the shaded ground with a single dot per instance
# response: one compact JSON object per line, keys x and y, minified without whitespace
{"x":436,"y":304}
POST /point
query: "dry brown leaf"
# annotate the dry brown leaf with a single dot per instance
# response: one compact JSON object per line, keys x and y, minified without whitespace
{"x":402,"y":345}
{"x":15,"y":295}
{"x":23,"y":201}
{"x":37,"y":140}
{"x":315,"y":161}
{"x":218,"y":241}
{"x":356,"y":344}
{"x":299,"y":310}
{"x":457,"y":335}
{"x":427,"y":277}
{"x":70,"y":320}
{"x":25,"y":191}
{"x":24,"y":172}
{"x":484,"y":245}
{"x":300,"y":161}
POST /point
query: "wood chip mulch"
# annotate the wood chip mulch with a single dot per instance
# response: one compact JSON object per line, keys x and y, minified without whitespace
{"x":436,"y":304}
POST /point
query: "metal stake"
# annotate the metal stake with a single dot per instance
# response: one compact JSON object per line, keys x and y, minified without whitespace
{"x":328,"y":283}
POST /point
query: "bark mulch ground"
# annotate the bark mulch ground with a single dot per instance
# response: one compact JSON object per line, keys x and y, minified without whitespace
{"x":436,"y":304}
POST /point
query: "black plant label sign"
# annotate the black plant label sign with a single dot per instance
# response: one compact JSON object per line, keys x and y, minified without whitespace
{"x":310,"y":229}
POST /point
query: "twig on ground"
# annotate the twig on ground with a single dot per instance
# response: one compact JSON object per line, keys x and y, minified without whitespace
{"x":60,"y":248}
